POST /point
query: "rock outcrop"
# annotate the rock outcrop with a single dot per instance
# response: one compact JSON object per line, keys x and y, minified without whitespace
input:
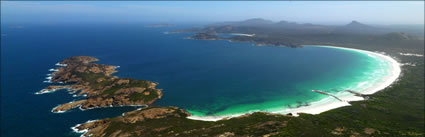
{"x":105,"y":127}
{"x":101,"y":89}
{"x":172,"y":122}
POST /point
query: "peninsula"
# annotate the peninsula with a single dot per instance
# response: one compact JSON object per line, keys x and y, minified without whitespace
{"x":83,"y":77}
{"x":172,"y":122}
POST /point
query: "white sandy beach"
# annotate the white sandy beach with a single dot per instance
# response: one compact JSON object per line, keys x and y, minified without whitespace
{"x":411,"y":54}
{"x":242,"y":34}
{"x":329,"y":103}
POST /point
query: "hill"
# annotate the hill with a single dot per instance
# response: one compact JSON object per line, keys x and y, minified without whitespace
{"x":354,"y":34}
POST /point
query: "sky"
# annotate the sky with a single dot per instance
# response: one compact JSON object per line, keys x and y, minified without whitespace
{"x":320,"y":12}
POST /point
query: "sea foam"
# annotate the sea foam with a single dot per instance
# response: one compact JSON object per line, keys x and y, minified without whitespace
{"x":82,"y":132}
{"x":62,"y":65}
{"x":411,"y":54}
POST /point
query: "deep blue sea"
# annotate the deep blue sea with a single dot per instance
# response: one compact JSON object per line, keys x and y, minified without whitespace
{"x":204,"y":77}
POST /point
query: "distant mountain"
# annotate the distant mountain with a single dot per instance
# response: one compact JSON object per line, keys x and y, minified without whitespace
{"x":358,"y":28}
{"x":399,"y":36}
{"x":263,"y":27}
{"x":296,"y":28}
{"x":259,"y":26}
{"x":248,"y":22}
{"x":290,"y":24}
{"x":292,"y":34}
{"x":415,"y":30}
{"x":259,"y":22}
{"x":255,"y":22}
{"x":355,"y":24}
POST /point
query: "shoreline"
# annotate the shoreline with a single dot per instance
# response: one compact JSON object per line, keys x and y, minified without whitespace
{"x":243,"y":34}
{"x":110,"y":106}
{"x":329,"y":103}
{"x":82,"y":132}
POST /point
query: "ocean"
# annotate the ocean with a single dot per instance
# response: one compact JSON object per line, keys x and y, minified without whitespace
{"x":207,"y":78}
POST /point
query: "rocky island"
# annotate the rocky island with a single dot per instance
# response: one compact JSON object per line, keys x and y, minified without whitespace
{"x":83,"y":77}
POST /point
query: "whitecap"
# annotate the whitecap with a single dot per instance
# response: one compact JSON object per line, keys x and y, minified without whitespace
{"x":62,"y":65}
{"x":411,"y":54}
{"x":54,"y":70}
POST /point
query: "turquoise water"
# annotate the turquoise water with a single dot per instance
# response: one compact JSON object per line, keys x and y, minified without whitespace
{"x":207,"y":78}
{"x":359,"y":74}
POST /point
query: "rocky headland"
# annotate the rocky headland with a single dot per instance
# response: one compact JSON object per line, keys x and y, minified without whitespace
{"x":259,"y":41}
{"x":172,"y":122}
{"x":107,"y":127}
{"x":205,"y":36}
{"x":83,"y":77}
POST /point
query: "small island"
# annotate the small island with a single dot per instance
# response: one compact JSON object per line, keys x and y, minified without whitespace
{"x":82,"y":77}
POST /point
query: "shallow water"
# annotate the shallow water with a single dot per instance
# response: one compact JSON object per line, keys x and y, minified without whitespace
{"x":205,"y":77}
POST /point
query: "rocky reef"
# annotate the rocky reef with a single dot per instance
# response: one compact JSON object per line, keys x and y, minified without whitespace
{"x":83,"y":77}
